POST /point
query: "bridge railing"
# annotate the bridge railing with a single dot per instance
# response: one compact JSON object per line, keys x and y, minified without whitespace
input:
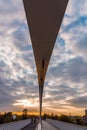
{"x":17,"y":125}
{"x":65,"y":126}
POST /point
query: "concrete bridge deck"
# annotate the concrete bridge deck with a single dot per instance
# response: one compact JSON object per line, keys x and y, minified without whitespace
{"x":45,"y":126}
{"x":30,"y":127}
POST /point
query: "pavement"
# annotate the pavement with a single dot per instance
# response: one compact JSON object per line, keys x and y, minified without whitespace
{"x":46,"y":126}
{"x":30,"y":127}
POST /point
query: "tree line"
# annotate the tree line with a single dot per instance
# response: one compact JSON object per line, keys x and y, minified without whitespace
{"x":8,"y":117}
{"x":70,"y":119}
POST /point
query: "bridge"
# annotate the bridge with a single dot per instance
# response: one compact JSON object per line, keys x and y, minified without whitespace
{"x":44,"y":19}
{"x":49,"y":124}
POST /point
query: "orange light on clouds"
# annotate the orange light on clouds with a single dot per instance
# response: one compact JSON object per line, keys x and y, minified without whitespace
{"x":27,"y":103}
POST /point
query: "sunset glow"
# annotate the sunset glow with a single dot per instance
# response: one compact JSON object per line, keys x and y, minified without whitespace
{"x":27,"y":103}
{"x":65,"y":88}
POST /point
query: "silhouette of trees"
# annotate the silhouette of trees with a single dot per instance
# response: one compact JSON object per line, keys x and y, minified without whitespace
{"x":25,"y":114}
{"x":70,"y":119}
{"x":52,"y":116}
{"x":25,"y":111}
{"x":65,"y":118}
{"x":8,"y":117}
{"x":1,"y":119}
{"x":79,"y":120}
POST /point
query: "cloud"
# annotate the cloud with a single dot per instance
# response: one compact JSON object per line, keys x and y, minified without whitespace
{"x":74,"y":70}
{"x":66,"y":82}
{"x":81,"y":21}
{"x":79,"y":101}
{"x":17,"y":67}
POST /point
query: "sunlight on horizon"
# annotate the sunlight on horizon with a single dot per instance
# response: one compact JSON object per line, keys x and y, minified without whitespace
{"x":65,"y":88}
{"x":27,"y":103}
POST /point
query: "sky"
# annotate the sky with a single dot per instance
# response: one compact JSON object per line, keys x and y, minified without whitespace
{"x":65,"y":89}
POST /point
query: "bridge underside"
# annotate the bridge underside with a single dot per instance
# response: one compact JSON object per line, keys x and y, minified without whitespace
{"x":44,"y":18}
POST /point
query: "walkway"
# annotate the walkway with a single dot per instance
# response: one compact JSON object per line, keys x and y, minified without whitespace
{"x":29,"y":127}
{"x":46,"y":126}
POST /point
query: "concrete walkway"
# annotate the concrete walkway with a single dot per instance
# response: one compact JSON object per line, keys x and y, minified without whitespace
{"x":46,"y":126}
{"x":29,"y":127}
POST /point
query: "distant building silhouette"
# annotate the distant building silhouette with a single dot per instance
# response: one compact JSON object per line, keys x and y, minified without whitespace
{"x":85,"y":117}
{"x":85,"y":112}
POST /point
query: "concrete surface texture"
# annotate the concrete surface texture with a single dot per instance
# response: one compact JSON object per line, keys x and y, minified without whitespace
{"x":46,"y":126}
